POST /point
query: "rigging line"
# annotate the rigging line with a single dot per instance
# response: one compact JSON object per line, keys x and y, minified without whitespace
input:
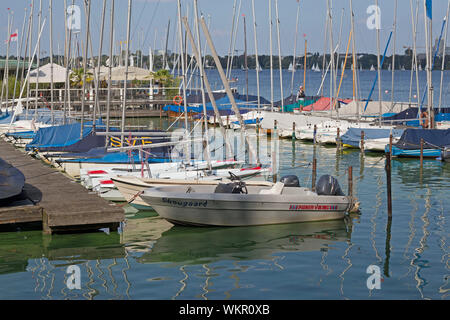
{"x":139,"y":20}
{"x":151,"y":22}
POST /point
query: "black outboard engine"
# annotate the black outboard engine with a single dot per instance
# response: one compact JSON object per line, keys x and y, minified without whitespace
{"x":328,"y":186}
{"x":290,"y":181}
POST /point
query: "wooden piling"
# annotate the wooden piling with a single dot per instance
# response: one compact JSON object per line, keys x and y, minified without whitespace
{"x":293,"y":131}
{"x":390,"y":144}
{"x":362,"y":141}
{"x":421,"y":153}
{"x":338,"y":138}
{"x":315,"y":134}
{"x":350,"y":181}
{"x":388,"y":183}
{"x":314,"y":174}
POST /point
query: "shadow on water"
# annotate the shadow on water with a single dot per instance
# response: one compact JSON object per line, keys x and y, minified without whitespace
{"x":189,"y":246}
{"x":434,"y":173}
{"x":18,"y":248}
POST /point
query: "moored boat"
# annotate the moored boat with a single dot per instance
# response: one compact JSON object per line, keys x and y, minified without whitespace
{"x":12,"y":182}
{"x":238,"y":204}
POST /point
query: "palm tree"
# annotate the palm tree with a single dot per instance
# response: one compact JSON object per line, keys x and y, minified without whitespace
{"x":166,"y":80}
{"x":77,"y":76}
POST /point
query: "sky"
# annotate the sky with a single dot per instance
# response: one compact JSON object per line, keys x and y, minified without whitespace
{"x":150,"y":19}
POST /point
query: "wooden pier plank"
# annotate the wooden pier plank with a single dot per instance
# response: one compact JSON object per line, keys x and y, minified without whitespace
{"x":61,"y":202}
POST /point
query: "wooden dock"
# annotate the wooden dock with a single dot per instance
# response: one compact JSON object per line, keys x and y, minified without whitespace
{"x":50,"y":197}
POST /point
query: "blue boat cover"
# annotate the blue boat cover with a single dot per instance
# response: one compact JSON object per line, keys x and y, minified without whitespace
{"x":58,"y":136}
{"x":433,"y":139}
{"x":410,"y":116}
{"x":353,"y":136}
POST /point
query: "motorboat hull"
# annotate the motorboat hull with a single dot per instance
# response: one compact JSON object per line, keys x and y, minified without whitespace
{"x":229,"y":210}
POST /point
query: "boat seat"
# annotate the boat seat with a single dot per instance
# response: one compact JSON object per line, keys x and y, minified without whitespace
{"x":277,"y":189}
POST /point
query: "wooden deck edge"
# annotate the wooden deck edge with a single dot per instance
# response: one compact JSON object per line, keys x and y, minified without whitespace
{"x":20,"y":214}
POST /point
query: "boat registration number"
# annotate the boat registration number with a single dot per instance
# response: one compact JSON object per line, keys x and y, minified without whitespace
{"x":313,"y":207}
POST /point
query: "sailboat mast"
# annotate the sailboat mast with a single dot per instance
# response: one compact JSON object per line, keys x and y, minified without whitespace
{"x":256,"y":54}
{"x":280,"y":62}
{"x":271,"y":54}
{"x":38,"y":59}
{"x":379,"y":69}
{"x":355,"y":78}
{"x":245,"y":58}
{"x":428,"y":41}
{"x":443,"y":58}
{"x":19,"y":53}
{"x":30,"y":59}
{"x":231,"y":39}
{"x":393,"y":55}
{"x":5,"y":82}
{"x":86,"y":50}
{"x":294,"y":62}
{"x":330,"y":26}
{"x":99,"y":65}
{"x":183,"y":77}
{"x":127,"y":62}
{"x":110,"y":66}
{"x":202,"y":77}
{"x":51,"y":62}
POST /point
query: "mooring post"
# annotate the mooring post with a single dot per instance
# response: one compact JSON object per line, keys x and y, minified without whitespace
{"x":362,"y":141}
{"x":388,"y":182}
{"x":390,"y":144}
{"x":315,"y":133}
{"x":338,"y":138}
{"x":314,"y":174}
{"x":421,"y":154}
{"x":293,"y":131}
{"x":350,"y":181}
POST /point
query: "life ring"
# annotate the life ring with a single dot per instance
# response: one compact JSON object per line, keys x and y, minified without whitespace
{"x":425,"y":122}
{"x":178,"y":100}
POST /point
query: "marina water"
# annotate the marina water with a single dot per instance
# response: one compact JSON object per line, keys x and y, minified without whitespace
{"x":151,"y":259}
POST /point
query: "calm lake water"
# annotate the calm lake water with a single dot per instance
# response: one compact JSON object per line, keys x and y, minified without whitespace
{"x":151,"y":259}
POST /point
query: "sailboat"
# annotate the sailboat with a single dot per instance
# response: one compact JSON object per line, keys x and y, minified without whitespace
{"x":291,"y":67}
{"x":372,"y":68}
{"x":316,"y":68}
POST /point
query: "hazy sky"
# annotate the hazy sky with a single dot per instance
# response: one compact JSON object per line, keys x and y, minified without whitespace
{"x":150,"y":18}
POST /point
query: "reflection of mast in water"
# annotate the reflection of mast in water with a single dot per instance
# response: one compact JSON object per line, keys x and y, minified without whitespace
{"x":205,"y":287}
{"x":101,"y":273}
{"x":91,"y":292}
{"x":125,"y":277}
{"x":421,"y":282}
{"x":114,"y":282}
{"x":412,"y":230}
{"x":445,"y":256}
{"x":182,"y":281}
{"x":373,"y":219}
{"x":346,"y":258}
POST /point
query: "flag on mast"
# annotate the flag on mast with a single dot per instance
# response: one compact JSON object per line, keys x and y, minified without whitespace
{"x":429,"y":8}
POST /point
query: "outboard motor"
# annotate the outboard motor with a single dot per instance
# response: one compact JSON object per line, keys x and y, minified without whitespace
{"x":290,"y":181}
{"x":328,"y":186}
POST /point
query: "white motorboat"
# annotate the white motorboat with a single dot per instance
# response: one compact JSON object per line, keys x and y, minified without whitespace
{"x":131,"y":186}
{"x":239,"y":204}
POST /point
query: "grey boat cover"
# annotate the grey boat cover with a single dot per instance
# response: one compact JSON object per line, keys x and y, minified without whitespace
{"x":12,"y":181}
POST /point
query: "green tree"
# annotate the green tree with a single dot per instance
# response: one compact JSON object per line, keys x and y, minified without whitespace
{"x":77,"y":76}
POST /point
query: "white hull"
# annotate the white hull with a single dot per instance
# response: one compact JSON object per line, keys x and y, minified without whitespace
{"x":201,"y":206}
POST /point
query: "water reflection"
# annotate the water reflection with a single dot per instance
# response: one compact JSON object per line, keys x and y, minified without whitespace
{"x":189,"y":246}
